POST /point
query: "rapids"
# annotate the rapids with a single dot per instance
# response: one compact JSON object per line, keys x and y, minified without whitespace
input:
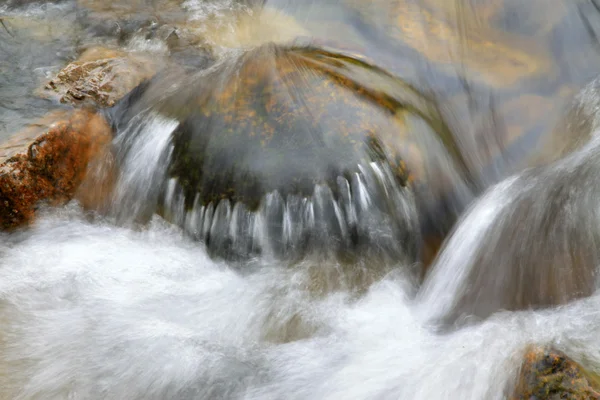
{"x":159,"y":295}
{"x":92,"y":311}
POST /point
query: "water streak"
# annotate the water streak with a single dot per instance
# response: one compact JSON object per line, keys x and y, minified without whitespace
{"x":370,"y":217}
{"x":531,"y":241}
{"x":143,"y":151}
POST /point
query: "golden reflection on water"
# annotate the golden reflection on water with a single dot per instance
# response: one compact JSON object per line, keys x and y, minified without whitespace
{"x":250,"y":30}
{"x":526,"y":59}
{"x":498,"y":58}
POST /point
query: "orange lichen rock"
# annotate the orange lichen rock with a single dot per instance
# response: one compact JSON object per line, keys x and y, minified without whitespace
{"x":46,"y":165}
{"x":549,"y":374}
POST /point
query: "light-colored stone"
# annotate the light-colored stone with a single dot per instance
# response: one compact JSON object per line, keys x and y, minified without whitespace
{"x":101,"y":77}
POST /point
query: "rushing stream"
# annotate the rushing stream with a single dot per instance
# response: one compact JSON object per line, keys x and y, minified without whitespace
{"x":94,"y":311}
{"x":273,"y":198}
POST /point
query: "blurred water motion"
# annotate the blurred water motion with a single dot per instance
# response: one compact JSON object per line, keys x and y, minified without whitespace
{"x":320,"y":151}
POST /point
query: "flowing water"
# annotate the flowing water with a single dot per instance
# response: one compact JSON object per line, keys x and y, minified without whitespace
{"x":236,"y":259}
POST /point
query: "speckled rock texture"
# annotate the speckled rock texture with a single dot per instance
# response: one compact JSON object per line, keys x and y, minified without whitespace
{"x":46,"y":162}
{"x":548,"y":374}
{"x":100,"y":76}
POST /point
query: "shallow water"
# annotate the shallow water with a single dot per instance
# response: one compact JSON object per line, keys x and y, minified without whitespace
{"x":32,"y":48}
{"x":113,"y":306}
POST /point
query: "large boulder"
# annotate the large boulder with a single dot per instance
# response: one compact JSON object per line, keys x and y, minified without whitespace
{"x":529,"y":242}
{"x":315,"y":140}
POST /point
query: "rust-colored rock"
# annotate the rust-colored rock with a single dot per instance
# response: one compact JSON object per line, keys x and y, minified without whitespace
{"x":40,"y":165}
{"x":96,"y":191}
{"x":549,"y":374}
{"x":430,"y":249}
{"x":48,"y":161}
{"x":100,"y":76}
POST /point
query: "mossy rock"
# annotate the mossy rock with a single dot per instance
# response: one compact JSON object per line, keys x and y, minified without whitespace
{"x":547,"y":373}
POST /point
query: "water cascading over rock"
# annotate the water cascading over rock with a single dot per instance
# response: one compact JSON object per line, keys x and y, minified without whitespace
{"x":279,"y":151}
{"x":532,"y":240}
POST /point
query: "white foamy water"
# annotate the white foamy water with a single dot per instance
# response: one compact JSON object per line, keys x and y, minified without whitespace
{"x":450,"y":272}
{"x":93,"y":311}
{"x":208,"y":9}
{"x":144,"y":150}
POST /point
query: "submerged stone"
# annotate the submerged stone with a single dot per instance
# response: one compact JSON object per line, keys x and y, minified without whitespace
{"x":326,"y":133}
{"x":529,"y":242}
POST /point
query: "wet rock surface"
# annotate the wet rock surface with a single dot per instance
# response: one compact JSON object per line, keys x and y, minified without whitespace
{"x":276,"y":129}
{"x":100,"y":76}
{"x":310,"y":149}
{"x":46,"y":163}
{"x":549,"y":374}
